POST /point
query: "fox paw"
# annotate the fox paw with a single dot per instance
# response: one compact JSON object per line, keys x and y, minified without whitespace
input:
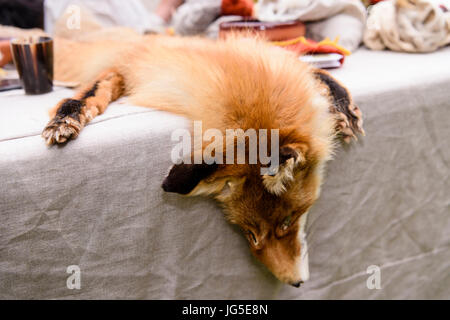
{"x":348,"y":126}
{"x":61,"y":129}
{"x":66,"y":124}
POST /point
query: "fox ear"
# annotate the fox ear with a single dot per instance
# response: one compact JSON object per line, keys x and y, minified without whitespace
{"x":184,"y":178}
{"x":290,"y":156}
{"x":347,"y":115}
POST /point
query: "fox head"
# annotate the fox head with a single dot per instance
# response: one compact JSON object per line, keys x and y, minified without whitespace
{"x":271,"y":208}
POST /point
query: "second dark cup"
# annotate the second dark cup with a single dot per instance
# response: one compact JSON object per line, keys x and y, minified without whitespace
{"x":33,"y":58}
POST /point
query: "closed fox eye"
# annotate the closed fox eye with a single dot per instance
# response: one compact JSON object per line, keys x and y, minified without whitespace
{"x":251,"y":236}
{"x":286,"y":222}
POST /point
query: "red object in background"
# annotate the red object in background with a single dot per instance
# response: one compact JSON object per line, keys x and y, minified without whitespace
{"x":237,"y":8}
{"x":5,"y":50}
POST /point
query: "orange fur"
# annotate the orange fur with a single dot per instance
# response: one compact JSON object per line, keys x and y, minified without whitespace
{"x":227,"y":84}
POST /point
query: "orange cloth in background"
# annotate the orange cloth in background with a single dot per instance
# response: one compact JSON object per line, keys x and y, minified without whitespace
{"x":302,"y":45}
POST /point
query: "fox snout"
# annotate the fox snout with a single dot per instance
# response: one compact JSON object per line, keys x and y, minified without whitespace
{"x":287,"y":256}
{"x":288,"y":269}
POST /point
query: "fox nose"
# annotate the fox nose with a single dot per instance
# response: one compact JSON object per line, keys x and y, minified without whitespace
{"x":297,"y":284}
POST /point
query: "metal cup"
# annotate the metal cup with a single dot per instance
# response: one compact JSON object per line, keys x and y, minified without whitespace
{"x":33,"y":57}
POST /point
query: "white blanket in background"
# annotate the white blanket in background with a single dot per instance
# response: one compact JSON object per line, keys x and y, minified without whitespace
{"x":409,"y":26}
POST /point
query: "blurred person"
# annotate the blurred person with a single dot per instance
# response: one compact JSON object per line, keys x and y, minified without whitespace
{"x":25,"y":14}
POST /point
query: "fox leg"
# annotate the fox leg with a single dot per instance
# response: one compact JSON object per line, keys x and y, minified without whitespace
{"x":69,"y":116}
{"x":348,"y":116}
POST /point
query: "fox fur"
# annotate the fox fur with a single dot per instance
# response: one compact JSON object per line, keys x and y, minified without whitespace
{"x":227,"y":84}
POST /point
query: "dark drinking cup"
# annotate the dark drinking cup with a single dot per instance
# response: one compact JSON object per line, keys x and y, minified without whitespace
{"x":33,"y":58}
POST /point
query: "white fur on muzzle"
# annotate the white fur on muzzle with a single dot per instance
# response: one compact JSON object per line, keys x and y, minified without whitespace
{"x":303,"y":264}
